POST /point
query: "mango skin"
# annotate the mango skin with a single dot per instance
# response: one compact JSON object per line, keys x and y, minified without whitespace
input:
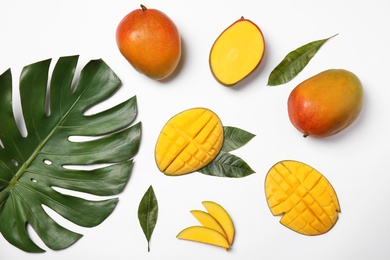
{"x":150,"y":42}
{"x":326,"y":103}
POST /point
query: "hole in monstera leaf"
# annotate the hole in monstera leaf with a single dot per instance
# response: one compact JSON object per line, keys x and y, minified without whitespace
{"x":34,"y":236}
{"x":47,"y":162}
{"x":1,"y":144}
{"x":14,"y":162}
{"x":77,"y":138}
{"x":104,"y":105}
{"x":79,"y":194}
{"x":85,"y":166}
{"x":59,"y":220}
{"x":17,"y":112}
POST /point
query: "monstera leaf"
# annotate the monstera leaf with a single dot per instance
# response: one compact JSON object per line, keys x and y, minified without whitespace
{"x":33,"y":167}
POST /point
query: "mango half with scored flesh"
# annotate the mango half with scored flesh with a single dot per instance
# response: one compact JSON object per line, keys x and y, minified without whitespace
{"x":189,"y":141}
{"x":237,"y":52}
{"x":303,"y":196}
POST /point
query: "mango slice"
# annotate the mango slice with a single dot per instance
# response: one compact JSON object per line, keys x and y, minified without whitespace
{"x":223,"y":218}
{"x":203,"y":235}
{"x":237,"y":52}
{"x":217,"y":227}
{"x":303,"y":196}
{"x":209,"y":221}
{"x":189,"y":141}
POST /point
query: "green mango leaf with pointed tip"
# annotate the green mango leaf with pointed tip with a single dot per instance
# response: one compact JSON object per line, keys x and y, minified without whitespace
{"x":234,"y":138}
{"x":227,"y":164}
{"x":33,"y":167}
{"x":148,"y":213}
{"x":294,"y":62}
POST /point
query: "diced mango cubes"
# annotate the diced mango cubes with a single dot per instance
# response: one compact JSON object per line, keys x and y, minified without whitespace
{"x":189,"y":141}
{"x":303,"y":196}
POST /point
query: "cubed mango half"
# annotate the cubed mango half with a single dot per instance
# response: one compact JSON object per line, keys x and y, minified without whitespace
{"x":189,"y":141}
{"x":303,"y":196}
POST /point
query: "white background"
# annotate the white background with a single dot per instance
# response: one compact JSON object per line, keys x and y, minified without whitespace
{"x":355,"y":161}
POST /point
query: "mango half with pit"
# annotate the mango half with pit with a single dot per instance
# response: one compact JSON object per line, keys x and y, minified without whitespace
{"x":303,"y":196}
{"x":237,"y":52}
{"x":189,"y":141}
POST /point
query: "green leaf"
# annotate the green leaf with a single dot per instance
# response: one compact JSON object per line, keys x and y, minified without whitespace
{"x":295,"y":62}
{"x":147,"y":213}
{"x":234,"y":138}
{"x":227,"y":165}
{"x":32,"y":167}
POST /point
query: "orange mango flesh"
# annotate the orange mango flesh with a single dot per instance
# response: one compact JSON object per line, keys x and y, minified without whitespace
{"x":237,"y":52}
{"x":303,"y":196}
{"x":189,"y":141}
{"x":223,"y":218}
{"x":208,"y":221}
{"x":217,"y":227}
{"x":204,"y":235}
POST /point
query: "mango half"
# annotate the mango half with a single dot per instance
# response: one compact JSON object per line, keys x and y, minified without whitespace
{"x":189,"y":141}
{"x":237,"y":52}
{"x":303,"y":196}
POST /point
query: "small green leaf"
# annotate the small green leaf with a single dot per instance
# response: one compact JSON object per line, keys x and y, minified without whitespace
{"x":147,"y":213}
{"x":234,"y":138}
{"x":227,"y":165}
{"x":295,"y":62}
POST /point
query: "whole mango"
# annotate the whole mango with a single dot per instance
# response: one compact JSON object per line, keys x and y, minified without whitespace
{"x":150,"y":41}
{"x":326,"y":103}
